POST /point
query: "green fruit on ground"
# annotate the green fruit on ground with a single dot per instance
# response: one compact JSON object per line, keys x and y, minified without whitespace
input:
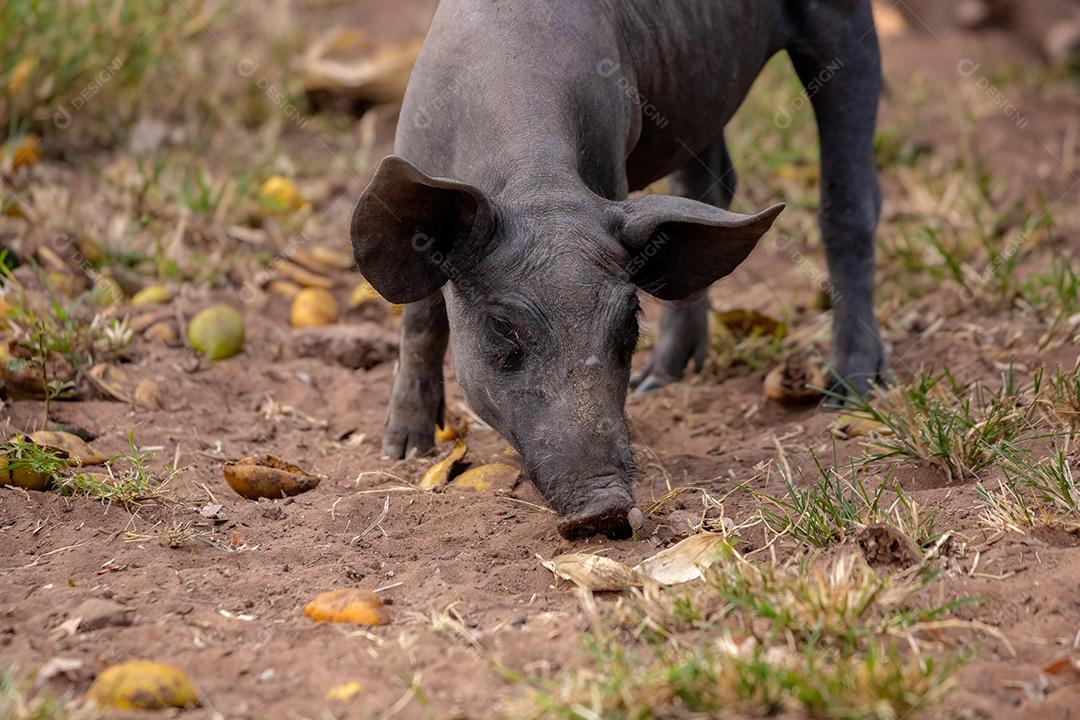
{"x":217,"y":332}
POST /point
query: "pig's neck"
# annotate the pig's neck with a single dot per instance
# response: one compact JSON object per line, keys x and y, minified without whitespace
{"x":523,"y":106}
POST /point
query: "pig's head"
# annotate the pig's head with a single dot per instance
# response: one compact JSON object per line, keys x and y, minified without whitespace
{"x":541,"y":294}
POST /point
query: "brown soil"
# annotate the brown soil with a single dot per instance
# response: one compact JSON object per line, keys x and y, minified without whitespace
{"x":224,"y":599}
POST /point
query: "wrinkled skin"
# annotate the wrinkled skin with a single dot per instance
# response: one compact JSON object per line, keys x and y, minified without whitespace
{"x":503,"y":218}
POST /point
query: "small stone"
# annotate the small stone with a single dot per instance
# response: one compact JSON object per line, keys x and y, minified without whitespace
{"x":97,"y":613}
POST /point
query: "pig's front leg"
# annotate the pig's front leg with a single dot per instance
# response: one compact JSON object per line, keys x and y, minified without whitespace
{"x":684,"y":325}
{"x":417,"y":402}
{"x":839,"y":58}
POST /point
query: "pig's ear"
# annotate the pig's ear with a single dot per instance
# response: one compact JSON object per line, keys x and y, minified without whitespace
{"x":679,"y":246}
{"x":411,"y":232}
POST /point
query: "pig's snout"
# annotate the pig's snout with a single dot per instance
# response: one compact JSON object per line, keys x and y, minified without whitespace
{"x":601,"y":506}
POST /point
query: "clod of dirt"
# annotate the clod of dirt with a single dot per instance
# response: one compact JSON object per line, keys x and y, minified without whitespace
{"x":793,"y":382}
{"x":344,"y":63}
{"x":683,"y":561}
{"x":884,"y":546}
{"x":267,"y":476}
{"x":485,"y":477}
{"x":350,"y":605}
{"x":117,"y":383}
{"x":97,"y":613}
{"x":143,"y":685}
{"x":313,"y":307}
{"x":359,"y":347}
{"x":438,"y":474}
{"x":152,"y":295}
{"x":592,"y":572}
{"x":71,"y":447}
{"x":217,"y":332}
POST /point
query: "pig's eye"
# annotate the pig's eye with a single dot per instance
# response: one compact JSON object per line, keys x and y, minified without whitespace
{"x":509,"y":350}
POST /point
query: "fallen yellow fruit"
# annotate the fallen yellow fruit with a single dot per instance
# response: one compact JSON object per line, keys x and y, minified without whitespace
{"x":439,"y":474}
{"x":484,"y":477}
{"x":280,"y":194}
{"x":363,"y":294}
{"x":152,"y":295}
{"x":217,"y":332}
{"x":143,"y":685}
{"x":313,"y":307}
{"x":350,"y":605}
{"x":267,"y":476}
{"x":71,"y":447}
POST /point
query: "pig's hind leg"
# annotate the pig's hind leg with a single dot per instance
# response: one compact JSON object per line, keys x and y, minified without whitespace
{"x":417,"y":402}
{"x":835,"y":52}
{"x":684,"y":325}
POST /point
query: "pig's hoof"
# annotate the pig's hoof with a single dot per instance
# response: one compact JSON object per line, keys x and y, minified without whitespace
{"x":608,"y":515}
{"x":401,"y":443}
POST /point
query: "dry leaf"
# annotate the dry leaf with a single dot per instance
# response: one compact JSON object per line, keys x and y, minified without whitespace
{"x":302,"y":276}
{"x":284,"y":288}
{"x":152,"y":295}
{"x":350,"y":605}
{"x":267,"y":476}
{"x":683,"y":561}
{"x":439,"y":474}
{"x":119,"y":384}
{"x":337,"y":259}
{"x":321,"y":259}
{"x":72,"y":447}
{"x":485,"y":476}
{"x":143,"y":685}
{"x":1063,"y":666}
{"x":341,"y":63}
{"x":592,"y":572}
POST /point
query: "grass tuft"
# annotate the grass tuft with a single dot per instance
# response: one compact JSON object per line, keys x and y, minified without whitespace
{"x":814,"y":638}
{"x":837,"y":505}
{"x":128,"y":486}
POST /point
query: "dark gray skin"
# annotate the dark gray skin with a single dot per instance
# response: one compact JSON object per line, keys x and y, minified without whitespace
{"x":504,"y":214}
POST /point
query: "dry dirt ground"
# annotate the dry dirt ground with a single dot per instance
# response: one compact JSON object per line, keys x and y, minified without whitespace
{"x":220,"y":592}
